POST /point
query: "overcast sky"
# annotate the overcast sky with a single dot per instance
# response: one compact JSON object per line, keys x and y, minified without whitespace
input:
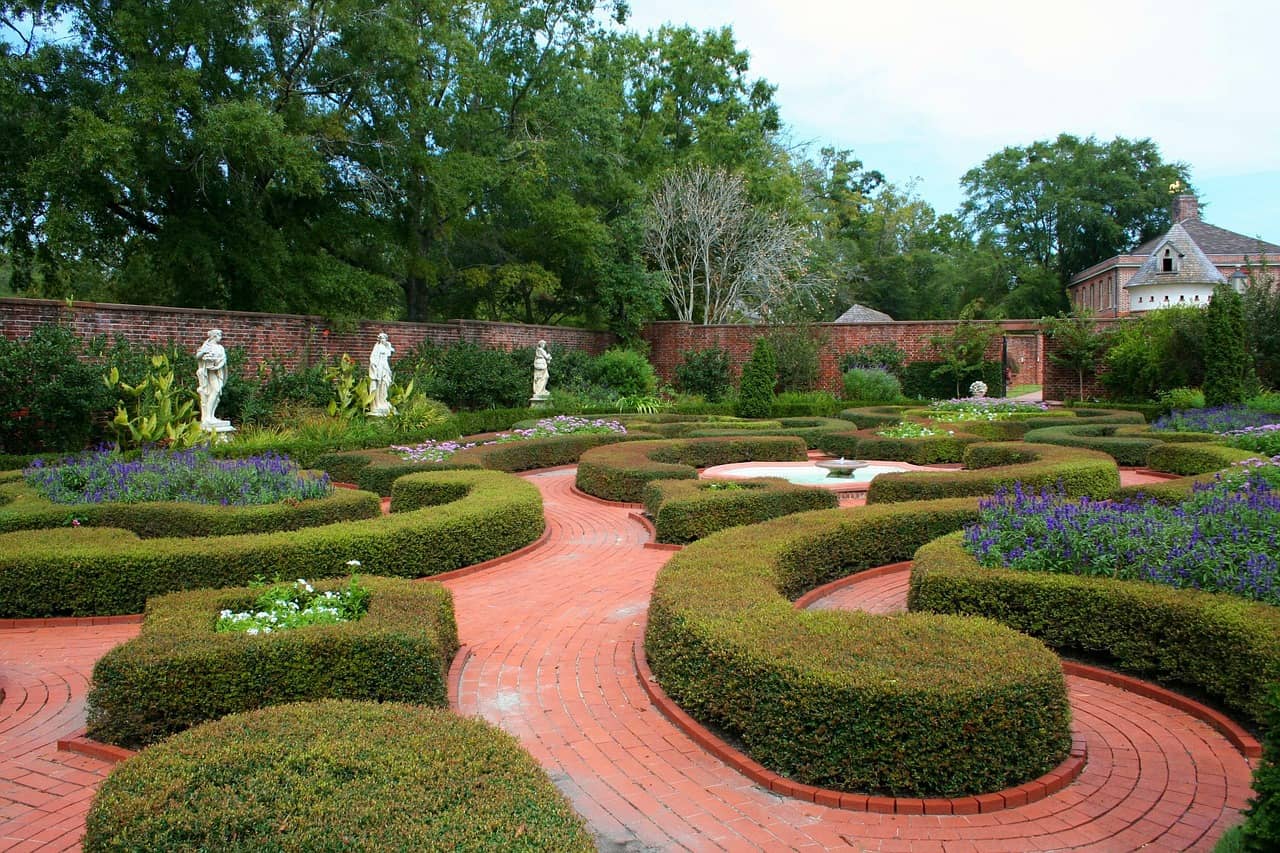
{"x":927,"y":90}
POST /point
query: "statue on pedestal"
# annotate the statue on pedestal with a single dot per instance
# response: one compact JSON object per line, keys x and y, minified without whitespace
{"x":380,"y":376}
{"x":541,"y":358}
{"x":211,"y":376}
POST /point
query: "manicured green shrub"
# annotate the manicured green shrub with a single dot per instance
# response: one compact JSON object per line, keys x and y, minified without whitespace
{"x":179,"y":671}
{"x":471,"y":377}
{"x":850,"y":700}
{"x":1126,"y":449}
{"x":1226,"y":364}
{"x":75,"y":573}
{"x":795,"y":352}
{"x":23,"y":509}
{"x":1223,"y":646}
{"x":624,"y":372}
{"x":620,"y":472}
{"x":1261,"y":831}
{"x":872,"y":384}
{"x":705,"y":372}
{"x":799,"y":404}
{"x":1194,"y":458}
{"x":1150,"y":411}
{"x":867,"y":417}
{"x":755,"y":388}
{"x":991,"y":466}
{"x":928,"y":450}
{"x":334,"y":775}
{"x":810,"y":429}
{"x":920,"y":382}
{"x":685,"y":510}
{"x":48,"y":393}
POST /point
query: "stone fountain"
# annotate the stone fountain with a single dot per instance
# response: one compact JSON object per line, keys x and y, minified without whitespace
{"x":840,"y":467}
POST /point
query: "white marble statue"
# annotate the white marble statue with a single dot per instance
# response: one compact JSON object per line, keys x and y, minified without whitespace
{"x":380,"y":376}
{"x":541,"y":358}
{"x":211,"y":375}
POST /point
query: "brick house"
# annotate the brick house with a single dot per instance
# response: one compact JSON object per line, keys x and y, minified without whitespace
{"x":1180,"y":267}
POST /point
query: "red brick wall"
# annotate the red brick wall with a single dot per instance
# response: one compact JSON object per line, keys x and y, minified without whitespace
{"x":1061,"y":383}
{"x":669,"y":340}
{"x":1024,"y":358}
{"x":292,"y":338}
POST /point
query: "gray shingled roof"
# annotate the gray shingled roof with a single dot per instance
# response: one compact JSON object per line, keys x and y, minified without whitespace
{"x":1194,"y":267}
{"x":1213,"y":240}
{"x":863,"y":314}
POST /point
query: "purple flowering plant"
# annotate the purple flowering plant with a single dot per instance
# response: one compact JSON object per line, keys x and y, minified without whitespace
{"x":439,"y":451}
{"x":191,"y":476}
{"x":1224,"y":537}
{"x":1219,"y":419}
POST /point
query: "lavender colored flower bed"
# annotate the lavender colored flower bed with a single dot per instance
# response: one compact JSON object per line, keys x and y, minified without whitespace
{"x":1263,"y":439}
{"x":1220,"y":419}
{"x":191,"y":476}
{"x":1225,"y":537}
{"x":982,"y":409}
{"x":439,"y":451}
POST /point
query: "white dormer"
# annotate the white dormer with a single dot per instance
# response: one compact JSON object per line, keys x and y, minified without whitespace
{"x":1169,"y":259}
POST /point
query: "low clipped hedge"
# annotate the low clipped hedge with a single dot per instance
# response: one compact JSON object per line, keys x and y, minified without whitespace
{"x":179,"y":671}
{"x":928,"y":450}
{"x":22,"y":508}
{"x":812,"y":430}
{"x":1194,"y":458}
{"x":377,"y":470}
{"x":914,"y":705}
{"x":62,"y":572}
{"x":1220,"y":645}
{"x":685,"y":510}
{"x":867,"y":417}
{"x":620,"y":472}
{"x":989,"y":467}
{"x":334,"y":775}
{"x":1125,"y":448}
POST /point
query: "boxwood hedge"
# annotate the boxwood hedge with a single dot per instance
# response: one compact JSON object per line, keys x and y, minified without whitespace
{"x":928,"y":450}
{"x":685,"y":510}
{"x":1220,"y":645}
{"x":867,"y":417}
{"x":64,"y":572}
{"x":1194,"y":458}
{"x":1125,"y":447}
{"x":812,"y":430}
{"x":179,"y":671}
{"x":914,"y":705}
{"x":22,"y":508}
{"x":991,"y":466}
{"x":331,"y":776}
{"x":620,"y":472}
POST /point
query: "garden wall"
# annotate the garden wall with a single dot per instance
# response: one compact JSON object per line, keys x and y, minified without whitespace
{"x":1061,"y":383}
{"x":294,"y":339}
{"x":669,"y":340}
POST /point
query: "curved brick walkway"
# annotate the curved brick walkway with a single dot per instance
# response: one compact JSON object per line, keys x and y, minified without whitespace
{"x":551,"y":636}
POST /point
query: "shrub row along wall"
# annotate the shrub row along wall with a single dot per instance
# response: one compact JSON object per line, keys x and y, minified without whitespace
{"x":293,"y":339}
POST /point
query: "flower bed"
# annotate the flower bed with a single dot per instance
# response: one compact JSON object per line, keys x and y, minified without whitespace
{"x":182,"y":670}
{"x":982,"y":409}
{"x":281,"y":608}
{"x":989,"y":467}
{"x":334,"y":776}
{"x":188,"y":476}
{"x":685,"y":510}
{"x":1219,"y":419}
{"x":912,"y":705}
{"x":1259,"y":439}
{"x":560,"y":425}
{"x":484,"y":514}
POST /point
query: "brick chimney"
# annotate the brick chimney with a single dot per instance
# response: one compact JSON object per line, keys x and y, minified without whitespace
{"x":1185,"y":206}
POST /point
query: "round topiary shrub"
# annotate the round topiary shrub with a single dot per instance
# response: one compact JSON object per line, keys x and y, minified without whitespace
{"x":334,"y":776}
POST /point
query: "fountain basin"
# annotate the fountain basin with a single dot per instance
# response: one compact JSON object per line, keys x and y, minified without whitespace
{"x":815,"y":473}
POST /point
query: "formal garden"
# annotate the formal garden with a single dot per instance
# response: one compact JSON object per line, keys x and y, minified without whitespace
{"x":291,"y":681}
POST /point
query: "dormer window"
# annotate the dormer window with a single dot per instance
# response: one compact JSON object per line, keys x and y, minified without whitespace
{"x":1168,"y":261}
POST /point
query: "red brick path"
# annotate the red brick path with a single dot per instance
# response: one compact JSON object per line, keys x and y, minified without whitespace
{"x":551,"y":639}
{"x":551,"y":635}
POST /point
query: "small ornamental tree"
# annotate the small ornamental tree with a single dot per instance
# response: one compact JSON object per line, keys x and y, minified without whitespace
{"x":1078,"y":343}
{"x":1226,"y":362}
{"x":963,"y":351}
{"x":755,"y":392}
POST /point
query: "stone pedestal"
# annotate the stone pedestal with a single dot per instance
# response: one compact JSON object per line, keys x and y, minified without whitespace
{"x":220,"y":431}
{"x":840,"y":467}
{"x":540,"y":401}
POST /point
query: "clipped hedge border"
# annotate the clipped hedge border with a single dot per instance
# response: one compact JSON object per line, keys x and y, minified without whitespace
{"x":852,"y":701}
{"x":992,"y":466}
{"x":180,"y":672}
{"x":811,"y":429}
{"x":1126,"y":448}
{"x":927,"y":450}
{"x":1223,"y":646}
{"x":334,"y":775}
{"x":685,"y":510}
{"x":621,"y":472}
{"x":867,"y":417}
{"x":22,"y":508}
{"x":61,"y":572}
{"x":1188,"y":458}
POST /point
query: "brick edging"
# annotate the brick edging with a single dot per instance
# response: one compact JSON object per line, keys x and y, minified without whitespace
{"x":82,"y":745}
{"x":578,"y":493}
{"x":1050,"y":783}
{"x":1151,"y":472}
{"x":1246,"y":743}
{"x":820,"y":592}
{"x":654,"y":545}
{"x":496,"y":561}
{"x":70,"y":621}
{"x":453,"y":687}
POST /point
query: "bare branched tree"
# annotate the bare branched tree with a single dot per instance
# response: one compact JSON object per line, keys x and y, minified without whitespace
{"x":721,"y":256}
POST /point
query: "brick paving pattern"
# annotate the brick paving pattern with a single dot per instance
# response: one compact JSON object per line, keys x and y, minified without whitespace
{"x":551,"y":637}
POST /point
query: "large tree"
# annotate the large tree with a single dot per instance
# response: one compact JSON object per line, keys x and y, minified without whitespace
{"x":1060,"y":206}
